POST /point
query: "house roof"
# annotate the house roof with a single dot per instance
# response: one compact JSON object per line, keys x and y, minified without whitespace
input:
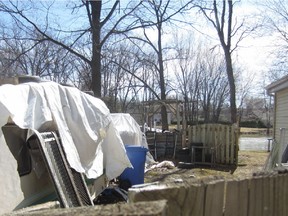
{"x":278,"y":85}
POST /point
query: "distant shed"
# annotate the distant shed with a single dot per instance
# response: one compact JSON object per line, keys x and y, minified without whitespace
{"x":279,"y":90}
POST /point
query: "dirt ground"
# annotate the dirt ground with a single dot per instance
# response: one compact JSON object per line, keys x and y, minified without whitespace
{"x":249,"y":162}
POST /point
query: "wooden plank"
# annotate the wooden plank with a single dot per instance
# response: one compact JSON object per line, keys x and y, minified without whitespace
{"x":251,"y":199}
{"x":190,"y":132}
{"x":285,"y":186}
{"x":227,"y":146}
{"x":202,"y":134}
{"x":232,"y":144}
{"x":220,"y":147}
{"x":258,"y":196}
{"x":276,"y":209}
{"x":282,"y":189}
{"x":182,"y":198}
{"x":271,"y":194}
{"x":279,"y":195}
{"x":231,"y":199}
{"x":210,"y":131}
{"x":223,"y":139}
{"x":160,"y":137}
{"x":237,"y":131}
{"x":158,"y":192}
{"x":191,"y":128}
{"x":267,"y":196}
{"x":214,"y":198}
{"x":255,"y":197}
{"x":207,"y":135}
{"x":198,"y":133}
{"x":216,"y":143}
{"x":236,"y":202}
{"x":193,"y":203}
{"x":193,"y":134}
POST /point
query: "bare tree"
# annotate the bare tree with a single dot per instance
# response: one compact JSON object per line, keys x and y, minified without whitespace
{"x":187,"y":58}
{"x":153,"y":18}
{"x":220,"y":15}
{"x":121,"y":88}
{"x":221,"y":90}
{"x":85,"y":42}
{"x":275,"y":14}
{"x":243,"y":89}
{"x":213,"y":85}
{"x":45,"y":59}
{"x":200,"y":76}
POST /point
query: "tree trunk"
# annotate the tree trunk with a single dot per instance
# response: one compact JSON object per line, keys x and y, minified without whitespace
{"x":231,"y":80}
{"x":96,"y":48}
{"x":227,"y":47}
{"x":164,"y":117}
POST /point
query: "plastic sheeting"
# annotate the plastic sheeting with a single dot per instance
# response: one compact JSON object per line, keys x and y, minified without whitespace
{"x":130,"y":132}
{"x":88,"y":135}
{"x":128,"y":129}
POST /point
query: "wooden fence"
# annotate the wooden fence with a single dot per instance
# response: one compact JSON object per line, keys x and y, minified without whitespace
{"x":223,"y":139}
{"x":261,"y":195}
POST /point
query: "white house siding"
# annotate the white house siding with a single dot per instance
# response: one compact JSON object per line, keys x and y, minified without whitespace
{"x":281,"y":114}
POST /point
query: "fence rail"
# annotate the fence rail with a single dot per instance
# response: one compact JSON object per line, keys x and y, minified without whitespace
{"x":222,"y":138}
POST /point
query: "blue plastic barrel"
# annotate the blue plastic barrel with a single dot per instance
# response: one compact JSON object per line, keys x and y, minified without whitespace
{"x":137,"y":157}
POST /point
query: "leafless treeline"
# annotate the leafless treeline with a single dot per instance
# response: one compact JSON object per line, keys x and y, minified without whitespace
{"x":135,"y":50}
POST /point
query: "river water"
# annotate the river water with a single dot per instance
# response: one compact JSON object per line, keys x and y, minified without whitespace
{"x":256,"y":143}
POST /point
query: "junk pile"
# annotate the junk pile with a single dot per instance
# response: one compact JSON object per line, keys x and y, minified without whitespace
{"x":51,"y":132}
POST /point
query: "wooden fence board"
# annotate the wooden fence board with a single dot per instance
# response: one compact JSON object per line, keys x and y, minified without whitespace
{"x":203,"y":135}
{"x":275,"y":196}
{"x":227,"y":146}
{"x":271,"y":194}
{"x":280,"y":195}
{"x":284,"y":198}
{"x":236,"y":142}
{"x":231,"y":199}
{"x":193,"y":205}
{"x":216,"y":141}
{"x":190,"y":135}
{"x":286,"y":194}
{"x":255,"y":205}
{"x":232,"y":144}
{"x":214,"y":199}
{"x":282,"y":188}
{"x":236,"y":203}
{"x":285,"y":201}
{"x":281,"y":183}
{"x":223,"y":146}
{"x":267,"y":196}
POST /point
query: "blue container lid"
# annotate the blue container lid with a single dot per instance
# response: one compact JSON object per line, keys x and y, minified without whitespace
{"x":135,"y":148}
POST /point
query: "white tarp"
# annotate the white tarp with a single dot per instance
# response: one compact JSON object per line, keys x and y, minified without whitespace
{"x":130,"y":132}
{"x":129,"y":129}
{"x":83,"y":122}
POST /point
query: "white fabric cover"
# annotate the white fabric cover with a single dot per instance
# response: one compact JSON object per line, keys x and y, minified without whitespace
{"x":83,"y":121}
{"x":128,"y":128}
{"x":130,"y":132}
